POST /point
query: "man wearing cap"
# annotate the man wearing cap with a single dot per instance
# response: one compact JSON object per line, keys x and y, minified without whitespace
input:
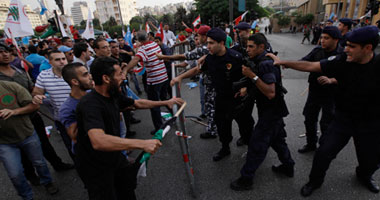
{"x":209,"y":94}
{"x":68,"y":53}
{"x":329,"y":22}
{"x":270,"y":128}
{"x":344,"y":27}
{"x":224,"y":67}
{"x":357,"y":107}
{"x":321,"y":89}
{"x":244,"y":31}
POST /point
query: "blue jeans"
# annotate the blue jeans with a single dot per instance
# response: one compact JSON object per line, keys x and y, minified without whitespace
{"x":11,"y":158}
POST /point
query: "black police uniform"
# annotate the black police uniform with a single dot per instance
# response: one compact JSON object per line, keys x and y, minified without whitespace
{"x":223,"y":71}
{"x":357,"y":116}
{"x":269,"y":130}
{"x":248,"y":107}
{"x":320,"y":97}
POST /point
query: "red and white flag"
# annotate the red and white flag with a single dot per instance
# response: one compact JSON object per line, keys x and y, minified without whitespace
{"x":147,"y":28}
{"x":197,"y":21}
{"x":160,"y":32}
{"x":17,"y":20}
{"x":241,"y":17}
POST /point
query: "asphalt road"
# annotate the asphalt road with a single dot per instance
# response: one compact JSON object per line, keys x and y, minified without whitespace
{"x":166,"y":173}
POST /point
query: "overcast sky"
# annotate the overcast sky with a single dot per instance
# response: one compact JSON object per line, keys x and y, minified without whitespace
{"x":67,"y":4}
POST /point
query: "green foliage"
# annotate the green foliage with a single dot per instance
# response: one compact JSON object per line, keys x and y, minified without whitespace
{"x":83,"y":23}
{"x":283,"y":20}
{"x":220,"y":10}
{"x":305,"y":19}
{"x":269,"y":10}
{"x":96,"y":22}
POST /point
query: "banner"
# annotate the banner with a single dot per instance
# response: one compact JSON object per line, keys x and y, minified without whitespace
{"x":89,"y":32}
{"x":17,"y":20}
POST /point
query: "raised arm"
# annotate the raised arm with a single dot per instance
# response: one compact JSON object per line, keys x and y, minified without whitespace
{"x":297,"y":65}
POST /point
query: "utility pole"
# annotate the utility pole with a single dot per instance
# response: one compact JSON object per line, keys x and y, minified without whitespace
{"x":121,"y":17}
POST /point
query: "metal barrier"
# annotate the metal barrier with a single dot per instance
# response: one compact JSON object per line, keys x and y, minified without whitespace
{"x":183,"y":137}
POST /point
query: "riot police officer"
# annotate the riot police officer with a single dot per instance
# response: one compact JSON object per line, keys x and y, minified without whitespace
{"x":269,"y":130}
{"x":321,"y":89}
{"x":344,"y":27}
{"x":244,"y":31}
{"x":357,"y":107}
{"x":224,"y":68}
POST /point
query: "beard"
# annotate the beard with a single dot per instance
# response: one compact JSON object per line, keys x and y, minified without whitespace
{"x":114,"y":89}
{"x":84,"y":87}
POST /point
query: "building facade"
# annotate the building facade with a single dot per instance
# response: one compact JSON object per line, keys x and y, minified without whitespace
{"x":354,"y":9}
{"x":109,"y":8}
{"x":79,"y":12}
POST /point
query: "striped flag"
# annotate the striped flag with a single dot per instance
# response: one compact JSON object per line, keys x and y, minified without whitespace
{"x":147,"y":28}
{"x":197,"y":21}
{"x":241,"y":17}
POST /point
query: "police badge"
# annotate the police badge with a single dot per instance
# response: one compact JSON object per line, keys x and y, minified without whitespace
{"x":229,"y":66}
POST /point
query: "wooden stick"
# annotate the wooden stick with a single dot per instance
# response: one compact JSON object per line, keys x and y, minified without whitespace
{"x":180,"y":109}
{"x":199,"y":122}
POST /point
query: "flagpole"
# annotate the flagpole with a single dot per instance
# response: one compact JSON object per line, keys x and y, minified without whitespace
{"x":121,"y":17}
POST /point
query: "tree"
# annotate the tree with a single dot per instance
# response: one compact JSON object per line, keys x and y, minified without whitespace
{"x":112,"y":21}
{"x":96,"y":22}
{"x":217,"y":10}
{"x":305,"y":19}
{"x":283,"y":20}
{"x":179,"y":17}
{"x":82,"y":23}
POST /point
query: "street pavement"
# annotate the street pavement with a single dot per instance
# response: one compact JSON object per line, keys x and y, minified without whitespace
{"x":166,"y":177}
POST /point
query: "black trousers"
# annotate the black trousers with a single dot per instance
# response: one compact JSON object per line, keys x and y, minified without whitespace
{"x":224,"y":114}
{"x":156,"y":93}
{"x":267,"y":133}
{"x":112,"y":184}
{"x":366,"y":135}
{"x":314,"y":105}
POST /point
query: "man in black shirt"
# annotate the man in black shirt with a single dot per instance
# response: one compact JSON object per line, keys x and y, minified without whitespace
{"x":103,"y":168}
{"x":269,"y":130}
{"x":224,"y":68}
{"x":357,"y":107}
{"x":321,"y":89}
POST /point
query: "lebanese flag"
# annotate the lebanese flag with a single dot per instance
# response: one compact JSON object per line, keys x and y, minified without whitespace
{"x":160,"y":32}
{"x":241,"y":17}
{"x":147,"y":28}
{"x":197,"y":21}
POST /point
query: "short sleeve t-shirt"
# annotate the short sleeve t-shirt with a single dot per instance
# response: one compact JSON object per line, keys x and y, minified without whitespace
{"x":95,"y":111}
{"x":56,"y":87}
{"x":358,"y":85}
{"x":16,"y":128}
{"x":155,"y":68}
{"x":67,"y":112}
{"x":19,"y":77}
{"x":275,"y":108}
{"x":224,"y":70}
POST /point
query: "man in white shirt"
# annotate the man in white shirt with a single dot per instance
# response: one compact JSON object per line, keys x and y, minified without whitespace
{"x":168,"y":36}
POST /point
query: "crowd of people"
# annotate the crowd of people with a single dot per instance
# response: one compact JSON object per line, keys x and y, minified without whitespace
{"x":86,"y":86}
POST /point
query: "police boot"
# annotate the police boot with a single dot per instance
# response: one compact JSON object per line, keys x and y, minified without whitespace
{"x":287,"y":170}
{"x":241,"y":184}
{"x":367,"y":181}
{"x":309,"y":188}
{"x":307,"y":148}
{"x":221,"y":154}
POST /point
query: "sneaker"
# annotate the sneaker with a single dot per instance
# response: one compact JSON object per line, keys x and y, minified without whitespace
{"x":242,"y":184}
{"x":51,"y":188}
{"x":207,"y":135}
